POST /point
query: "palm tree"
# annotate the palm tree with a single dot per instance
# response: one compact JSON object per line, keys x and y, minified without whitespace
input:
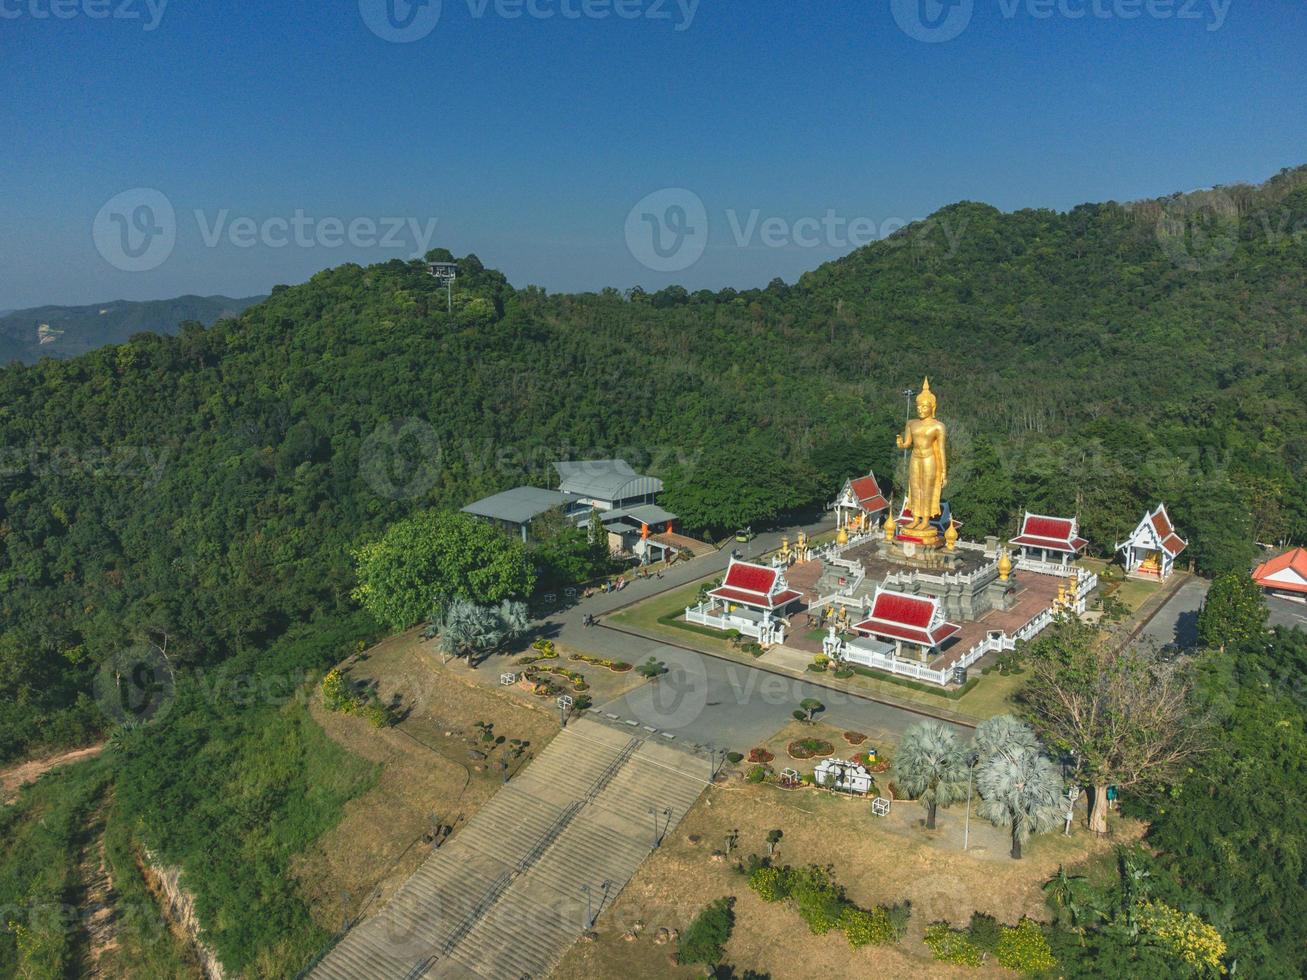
{"x":1003,"y":732}
{"x":931,"y":766}
{"x":467,"y":628}
{"x":1021,"y":789}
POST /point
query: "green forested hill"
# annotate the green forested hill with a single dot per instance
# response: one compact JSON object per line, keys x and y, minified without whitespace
{"x":212,"y":484}
{"x":66,"y":331}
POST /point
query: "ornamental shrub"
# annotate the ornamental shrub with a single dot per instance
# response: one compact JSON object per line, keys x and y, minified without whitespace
{"x":984,"y":931}
{"x":1182,"y":934}
{"x":876,"y":927}
{"x":771,"y":884}
{"x":1024,"y":948}
{"x":820,"y":901}
{"x":705,"y":938}
{"x":950,"y":946}
{"x":757,"y":774}
{"x":336,"y":694}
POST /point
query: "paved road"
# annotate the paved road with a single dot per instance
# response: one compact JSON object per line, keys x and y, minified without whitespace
{"x":1177,"y":620}
{"x":706,"y":700}
{"x":680,"y":574}
{"x":1285,"y":612}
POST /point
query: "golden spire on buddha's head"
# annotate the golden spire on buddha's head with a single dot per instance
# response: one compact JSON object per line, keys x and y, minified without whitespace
{"x":927,"y":396}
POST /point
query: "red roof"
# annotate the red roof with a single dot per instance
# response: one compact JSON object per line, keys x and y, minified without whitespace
{"x":866,"y":491}
{"x":754,"y":585}
{"x":1293,"y":561}
{"x":1053,"y":533}
{"x":753,"y":599}
{"x":916,"y":619}
{"x":750,"y":577}
{"x":1160,"y":523}
{"x":1172,"y":542}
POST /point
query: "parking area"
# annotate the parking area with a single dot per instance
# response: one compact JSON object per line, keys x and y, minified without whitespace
{"x":706,"y":700}
{"x":1177,"y":620}
{"x":1287,"y":613}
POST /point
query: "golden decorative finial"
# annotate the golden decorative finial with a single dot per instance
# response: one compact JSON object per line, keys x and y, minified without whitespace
{"x":1004,"y":565}
{"x":951,"y":536}
{"x":842,"y":538}
{"x":927,"y":395}
{"x":889,"y":524}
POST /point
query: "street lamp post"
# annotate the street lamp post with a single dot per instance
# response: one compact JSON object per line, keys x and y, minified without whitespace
{"x":907,"y":394}
{"x":972,"y":759}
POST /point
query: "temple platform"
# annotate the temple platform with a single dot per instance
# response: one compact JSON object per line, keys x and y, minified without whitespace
{"x":1033,"y":595}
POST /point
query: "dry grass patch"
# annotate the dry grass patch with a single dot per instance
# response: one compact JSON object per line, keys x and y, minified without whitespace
{"x":878,"y":861}
{"x":436,"y":768}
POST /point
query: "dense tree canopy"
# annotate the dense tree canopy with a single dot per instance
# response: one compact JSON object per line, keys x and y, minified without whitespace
{"x":215,"y":484}
{"x":432,"y":558}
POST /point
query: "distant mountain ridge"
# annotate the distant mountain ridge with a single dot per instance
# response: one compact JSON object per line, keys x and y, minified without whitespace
{"x":66,"y":331}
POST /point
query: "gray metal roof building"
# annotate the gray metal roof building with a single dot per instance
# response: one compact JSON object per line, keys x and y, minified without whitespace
{"x":609,"y":481}
{"x":519,"y":506}
{"x":632,"y":517}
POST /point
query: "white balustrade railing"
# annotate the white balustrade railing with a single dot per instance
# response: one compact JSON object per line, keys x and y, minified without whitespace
{"x":1041,"y":567}
{"x":767,"y":631}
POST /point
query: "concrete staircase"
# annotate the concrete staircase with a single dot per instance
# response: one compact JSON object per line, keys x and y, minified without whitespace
{"x":829,"y":582}
{"x":504,"y":899}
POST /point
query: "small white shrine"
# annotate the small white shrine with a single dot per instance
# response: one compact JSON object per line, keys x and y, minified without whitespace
{"x":753,"y":599}
{"x":1151,"y":551}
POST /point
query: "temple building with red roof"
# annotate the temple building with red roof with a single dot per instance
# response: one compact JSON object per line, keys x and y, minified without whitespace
{"x":1151,"y":551}
{"x":1045,"y":541}
{"x":1284,"y":576}
{"x":913,"y":624}
{"x":753,"y":599}
{"x":860,"y":504}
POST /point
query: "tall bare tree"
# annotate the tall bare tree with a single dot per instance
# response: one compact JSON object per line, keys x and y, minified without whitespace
{"x":1128,"y":717}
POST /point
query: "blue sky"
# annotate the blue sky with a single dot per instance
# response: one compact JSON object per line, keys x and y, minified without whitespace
{"x":529,"y":139}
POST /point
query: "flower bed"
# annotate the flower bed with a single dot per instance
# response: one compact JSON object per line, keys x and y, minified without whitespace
{"x":544,"y":650}
{"x":810,"y":748}
{"x":617,"y":666}
{"x":577,"y":681}
{"x":855,"y":738}
{"x":760,"y":755}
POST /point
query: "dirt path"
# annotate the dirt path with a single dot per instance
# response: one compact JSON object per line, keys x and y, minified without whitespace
{"x":12,"y":779}
{"x":96,"y":896}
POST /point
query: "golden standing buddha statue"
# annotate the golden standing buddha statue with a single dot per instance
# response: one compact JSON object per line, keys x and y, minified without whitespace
{"x":927,"y":466}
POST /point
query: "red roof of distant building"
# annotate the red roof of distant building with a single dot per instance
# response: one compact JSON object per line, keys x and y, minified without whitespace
{"x":915,"y":619}
{"x":1294,"y":563}
{"x":866,"y":491}
{"x":754,"y":585}
{"x":1053,"y":533}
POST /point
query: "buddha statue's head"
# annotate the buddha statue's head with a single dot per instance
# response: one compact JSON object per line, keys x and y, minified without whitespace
{"x":926,"y":401}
